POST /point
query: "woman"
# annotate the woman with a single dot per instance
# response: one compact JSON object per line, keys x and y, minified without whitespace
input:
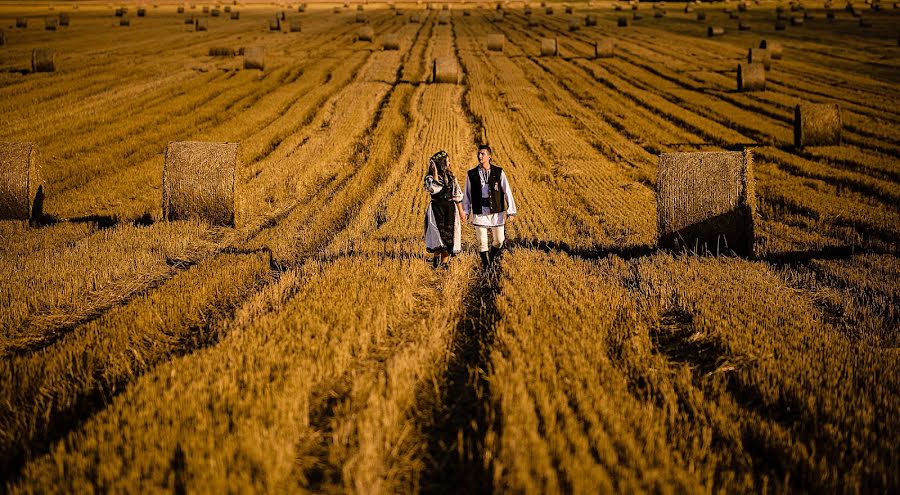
{"x":444,"y":216}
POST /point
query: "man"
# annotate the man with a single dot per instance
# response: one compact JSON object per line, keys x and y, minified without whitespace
{"x":488,"y":203}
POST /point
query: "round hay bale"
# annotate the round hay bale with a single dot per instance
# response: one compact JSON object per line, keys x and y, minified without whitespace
{"x":302,"y":8}
{"x":50,"y":23}
{"x":744,"y":26}
{"x":466,"y":13}
{"x":189,"y":19}
{"x":295,"y":26}
{"x":760,"y":55}
{"x":817,"y":124}
{"x":361,"y":18}
{"x":206,"y":9}
{"x":701,"y":16}
{"x":141,"y":12}
{"x":414,"y":18}
{"x":688,"y":8}
{"x":445,"y":7}
{"x":865,"y":23}
{"x":574,"y":25}
{"x":549,"y":47}
{"x":275,"y":24}
{"x":64,"y":19}
{"x":622,"y":22}
{"x":797,"y":20}
{"x":617,"y":8}
{"x":548,"y":11}
{"x":604,"y":48}
{"x":526,"y":10}
{"x":498,"y":16}
{"x":43,"y":60}
{"x":590,"y":20}
{"x":227,"y":9}
{"x":706,"y":201}
{"x":21,"y":189}
{"x":391,"y":41}
{"x":336,"y":10}
{"x":200,"y":24}
{"x":445,"y":70}
{"x":774,"y":48}
{"x":215,"y":13}
{"x":124,"y":21}
{"x":829,"y":15}
{"x":120,"y":12}
{"x":221,"y":51}
{"x":235,"y":15}
{"x":751,"y":77}
{"x":714,"y":31}
{"x":21,"y":22}
{"x":365,"y":33}
{"x":495,"y":42}
{"x":359,"y":7}
{"x":569,"y":9}
{"x":444,"y":18}
{"x":198,"y":182}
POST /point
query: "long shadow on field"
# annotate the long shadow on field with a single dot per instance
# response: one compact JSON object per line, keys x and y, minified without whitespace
{"x":591,"y":253}
{"x":460,"y":421}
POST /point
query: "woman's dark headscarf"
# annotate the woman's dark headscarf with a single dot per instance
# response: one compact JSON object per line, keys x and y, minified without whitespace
{"x":440,"y":161}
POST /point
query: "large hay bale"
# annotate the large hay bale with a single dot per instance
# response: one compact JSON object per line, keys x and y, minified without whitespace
{"x":336,"y":10}
{"x":548,"y":11}
{"x":390,"y":41}
{"x":549,"y":47}
{"x":574,"y":25}
{"x":215,"y":13}
{"x":124,"y":21}
{"x":774,"y":48}
{"x":715,"y":31}
{"x":255,"y":58}
{"x":817,"y":124}
{"x":21,"y":192}
{"x":705,"y":201}
{"x":569,"y":9}
{"x":21,"y":22}
{"x":361,"y":18}
{"x":141,"y":12}
{"x":751,"y":77}
{"x":701,"y":16}
{"x":235,"y":15}
{"x":760,"y":55}
{"x":604,"y":48}
{"x":365,"y":33}
{"x":189,"y":19}
{"x":64,"y":19}
{"x":227,"y":9}
{"x":50,"y":23}
{"x":200,"y":24}
{"x":444,"y":18}
{"x":445,"y":70}
{"x":198,"y":181}
{"x":495,"y":42}
{"x":180,"y":9}
{"x":221,"y":51}
{"x":590,"y":20}
{"x":206,"y":9}
{"x":295,"y":26}
{"x":622,"y":22}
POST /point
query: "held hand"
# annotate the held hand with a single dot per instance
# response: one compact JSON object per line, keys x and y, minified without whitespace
{"x":510,"y":218}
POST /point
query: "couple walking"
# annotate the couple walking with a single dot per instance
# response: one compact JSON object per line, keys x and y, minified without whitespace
{"x":487,"y":203}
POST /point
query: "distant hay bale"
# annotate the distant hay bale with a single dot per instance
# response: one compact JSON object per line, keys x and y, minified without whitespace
{"x":359,"y":7}
{"x":549,"y":47}
{"x":200,"y":24}
{"x":21,"y":191}
{"x":220,"y":51}
{"x":751,"y":77}
{"x":235,"y":15}
{"x":227,"y":9}
{"x":189,"y":19}
{"x":715,"y":31}
{"x":622,"y":22}
{"x":706,"y":201}
{"x":124,"y":21}
{"x":414,"y":18}
{"x":275,"y":24}
{"x":604,"y":48}
{"x":497,"y":17}
{"x":444,"y":18}
{"x":569,"y":9}
{"x":198,"y":182}
{"x":64,"y":19}
{"x":390,"y":41}
{"x":590,"y":20}
{"x":120,"y":12}
{"x":636,"y":16}
{"x":366,"y":33}
{"x":659,"y":14}
{"x":774,"y":48}
{"x":206,"y":9}
{"x":548,"y":11}
{"x":817,"y":124}
{"x":760,"y":55}
{"x":797,"y":20}
{"x":574,"y":25}
{"x":617,"y":8}
{"x":21,"y":22}
{"x":141,"y":12}
{"x":744,"y":26}
{"x":361,"y":18}
{"x":295,"y":26}
{"x":255,"y":58}
{"x":466,"y":13}
{"x":495,"y":42}
{"x":336,"y":10}
{"x":526,"y":10}
{"x":43,"y":60}
{"x":701,"y":16}
{"x":215,"y":13}
{"x":50,"y":23}
{"x":688,"y":8}
{"x":445,"y":70}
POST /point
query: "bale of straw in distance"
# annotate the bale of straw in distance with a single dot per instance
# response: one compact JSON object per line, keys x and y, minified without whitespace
{"x":120,"y":12}
{"x":715,"y":31}
{"x":221,"y":51}
{"x":706,"y":201}
{"x":751,"y":77}
{"x":366,"y":33}
{"x":141,"y":12}
{"x":796,"y":20}
{"x":336,"y":10}
{"x":444,"y":18}
{"x":275,"y":24}
{"x":414,"y":18}
{"x":361,"y":18}
{"x":549,"y":47}
{"x":200,"y":24}
{"x":390,"y":41}
{"x":817,"y":124}
{"x":636,"y":16}
{"x":569,"y":9}
{"x":495,"y":42}
{"x":64,"y":19}
{"x":445,"y":70}
{"x":590,"y":20}
{"x":189,"y":19}
{"x":760,"y":55}
{"x":255,"y":57}
{"x":206,"y":9}
{"x":227,"y":9}
{"x":574,"y":25}
{"x":50,"y":23}
{"x":466,"y":13}
{"x":548,"y":11}
{"x":743,"y":25}
{"x":688,"y":8}
{"x":774,"y":48}
{"x":21,"y":22}
{"x":295,"y":26}
{"x":359,"y":7}
{"x":701,"y":16}
{"x":198,"y":182}
{"x":526,"y":10}
{"x":622,"y":22}
{"x":21,"y":192}
{"x":124,"y":21}
{"x":605,"y":48}
{"x":215,"y":13}
{"x":235,"y":15}
{"x":180,"y":9}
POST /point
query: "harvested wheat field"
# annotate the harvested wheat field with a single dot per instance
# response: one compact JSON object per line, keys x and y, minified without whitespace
{"x":216,"y":281}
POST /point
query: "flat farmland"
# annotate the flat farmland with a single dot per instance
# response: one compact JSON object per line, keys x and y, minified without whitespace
{"x":311,"y":347}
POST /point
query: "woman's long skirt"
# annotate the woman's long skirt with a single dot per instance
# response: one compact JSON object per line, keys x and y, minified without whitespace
{"x":442,"y":227}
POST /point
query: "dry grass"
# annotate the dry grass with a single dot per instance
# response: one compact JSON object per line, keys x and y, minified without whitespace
{"x":198,"y":177}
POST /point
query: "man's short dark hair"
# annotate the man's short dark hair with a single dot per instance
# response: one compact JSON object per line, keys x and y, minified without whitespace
{"x":485,"y":147}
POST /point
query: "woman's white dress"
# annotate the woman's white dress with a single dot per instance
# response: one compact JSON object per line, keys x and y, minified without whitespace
{"x":433,"y":240}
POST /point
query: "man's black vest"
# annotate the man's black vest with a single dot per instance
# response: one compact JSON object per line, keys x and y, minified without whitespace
{"x":497,"y":199}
